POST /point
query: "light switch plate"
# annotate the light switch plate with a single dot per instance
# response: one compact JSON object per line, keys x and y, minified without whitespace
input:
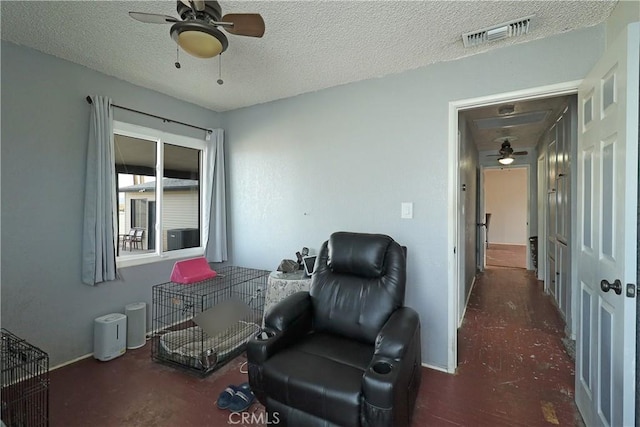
{"x":406,"y":210}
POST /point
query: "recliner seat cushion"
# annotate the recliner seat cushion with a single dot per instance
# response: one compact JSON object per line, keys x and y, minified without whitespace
{"x":321,"y":375}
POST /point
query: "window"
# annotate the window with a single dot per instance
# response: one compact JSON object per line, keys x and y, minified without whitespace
{"x":157,"y":218}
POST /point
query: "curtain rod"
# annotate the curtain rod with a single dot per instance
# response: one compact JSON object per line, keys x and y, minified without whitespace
{"x":164,"y":119}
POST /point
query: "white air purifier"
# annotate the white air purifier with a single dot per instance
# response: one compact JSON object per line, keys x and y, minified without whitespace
{"x":110,"y":336}
{"x":136,"y":324}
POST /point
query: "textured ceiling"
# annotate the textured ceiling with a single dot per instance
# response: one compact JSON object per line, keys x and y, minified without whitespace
{"x":520,"y":136}
{"x":308,"y":45}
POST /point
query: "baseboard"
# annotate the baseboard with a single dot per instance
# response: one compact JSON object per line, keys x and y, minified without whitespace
{"x":436,"y":368}
{"x":148,"y":336}
{"x":77,"y":359}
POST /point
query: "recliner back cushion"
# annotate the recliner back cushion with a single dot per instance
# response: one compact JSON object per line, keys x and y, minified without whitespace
{"x":358,"y":254}
{"x":359,"y":280}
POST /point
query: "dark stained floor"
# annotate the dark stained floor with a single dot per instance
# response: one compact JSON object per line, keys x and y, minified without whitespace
{"x":513,"y":371}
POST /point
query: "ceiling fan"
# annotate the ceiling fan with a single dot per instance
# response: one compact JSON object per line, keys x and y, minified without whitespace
{"x":506,"y":153}
{"x":197,"y":30}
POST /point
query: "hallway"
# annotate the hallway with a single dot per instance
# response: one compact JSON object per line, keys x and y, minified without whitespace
{"x":512,"y":367}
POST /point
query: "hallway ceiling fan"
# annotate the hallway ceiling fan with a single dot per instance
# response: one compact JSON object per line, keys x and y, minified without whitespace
{"x":197,"y":30}
{"x":506,"y":153}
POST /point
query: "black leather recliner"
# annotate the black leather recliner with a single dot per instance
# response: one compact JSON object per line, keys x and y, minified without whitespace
{"x":347,"y":352}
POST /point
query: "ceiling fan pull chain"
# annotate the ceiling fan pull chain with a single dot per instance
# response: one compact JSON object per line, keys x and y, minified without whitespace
{"x":220,"y":81}
{"x":177,"y":57}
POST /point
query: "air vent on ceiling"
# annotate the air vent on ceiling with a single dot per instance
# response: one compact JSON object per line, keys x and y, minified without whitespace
{"x":517,"y":27}
{"x":512,"y":120}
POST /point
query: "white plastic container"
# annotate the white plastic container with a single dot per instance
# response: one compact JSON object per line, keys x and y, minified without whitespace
{"x":110,"y":336}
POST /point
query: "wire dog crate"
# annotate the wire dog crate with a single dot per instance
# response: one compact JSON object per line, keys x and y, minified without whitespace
{"x":25,"y":383}
{"x":180,"y":342}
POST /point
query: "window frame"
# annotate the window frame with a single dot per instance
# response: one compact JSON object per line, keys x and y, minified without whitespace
{"x":161,"y":138}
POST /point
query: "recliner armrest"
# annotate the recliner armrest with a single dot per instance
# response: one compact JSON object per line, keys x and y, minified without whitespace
{"x":285,"y":323}
{"x":395,"y":336}
{"x":390,"y":383}
{"x":294,"y":309}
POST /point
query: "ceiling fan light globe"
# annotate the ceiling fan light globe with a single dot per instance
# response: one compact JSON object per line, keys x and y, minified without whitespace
{"x":506,"y":160}
{"x":199,"y":44}
{"x":199,"y":39}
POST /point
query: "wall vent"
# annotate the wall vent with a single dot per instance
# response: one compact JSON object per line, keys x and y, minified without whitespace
{"x":517,"y":27}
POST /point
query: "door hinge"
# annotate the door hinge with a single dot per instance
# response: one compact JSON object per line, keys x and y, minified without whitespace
{"x":454,"y":249}
{"x":631,"y":290}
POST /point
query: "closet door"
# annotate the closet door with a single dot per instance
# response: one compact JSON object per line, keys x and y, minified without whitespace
{"x":564,"y":287}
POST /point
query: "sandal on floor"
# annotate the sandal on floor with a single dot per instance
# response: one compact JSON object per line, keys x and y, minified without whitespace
{"x":242,"y":399}
{"x":224,"y":400}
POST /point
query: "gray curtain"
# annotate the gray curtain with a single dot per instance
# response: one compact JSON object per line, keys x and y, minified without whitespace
{"x":215,"y":221}
{"x":98,"y":234}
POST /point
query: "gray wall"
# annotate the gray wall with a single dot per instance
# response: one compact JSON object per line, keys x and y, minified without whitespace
{"x":45,"y":123}
{"x":625,"y":12}
{"x":345,"y":158}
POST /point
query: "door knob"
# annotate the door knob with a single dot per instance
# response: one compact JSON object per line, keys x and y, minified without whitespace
{"x":615,"y":286}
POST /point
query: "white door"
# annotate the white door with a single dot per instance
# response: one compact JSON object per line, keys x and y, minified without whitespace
{"x":607,"y":230}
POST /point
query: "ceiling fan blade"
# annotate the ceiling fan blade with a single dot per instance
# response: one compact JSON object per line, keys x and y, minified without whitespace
{"x":195,"y":5}
{"x":520,"y":153}
{"x":244,"y":24}
{"x":152,"y":18}
{"x":198,"y":5}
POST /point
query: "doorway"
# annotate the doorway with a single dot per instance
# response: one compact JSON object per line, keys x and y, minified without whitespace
{"x":483,"y":158}
{"x":506,"y":205}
